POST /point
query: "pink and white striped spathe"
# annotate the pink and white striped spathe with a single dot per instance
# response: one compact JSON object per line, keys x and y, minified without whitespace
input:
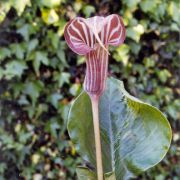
{"x":91,"y":37}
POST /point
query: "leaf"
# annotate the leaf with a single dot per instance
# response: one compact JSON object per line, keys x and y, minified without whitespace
{"x":173,"y":108}
{"x":18,"y":50}
{"x":54,"y":99}
{"x":4,"y":52}
{"x":53,"y":126}
{"x":54,"y":39}
{"x":23,"y":100}
{"x":62,"y":24}
{"x":163,"y":75}
{"x":50,"y":3}
{"x":135,"y":32}
{"x":122,"y":54}
{"x":3,"y":167}
{"x":32,"y":45}
{"x":173,"y":10}
{"x":88,"y":10}
{"x":131,"y":3}
{"x":4,"y":8}
{"x":135,"y":136}
{"x":148,"y":6}
{"x":26,"y":30}
{"x":61,"y":56}
{"x":110,"y":176}
{"x":1,"y":73}
{"x":49,"y":16}
{"x":40,"y":57}
{"x":84,"y":173}
{"x":149,"y":62}
{"x":33,"y":89}
{"x":75,"y":89}
{"x":62,"y":78}
{"x":14,"y":68}
{"x":135,"y":47}
{"x":20,"y":5}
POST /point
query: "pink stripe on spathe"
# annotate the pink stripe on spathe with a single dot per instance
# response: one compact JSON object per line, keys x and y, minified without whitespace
{"x":91,"y":37}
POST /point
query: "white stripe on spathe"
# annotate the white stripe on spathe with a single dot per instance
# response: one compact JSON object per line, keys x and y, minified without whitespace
{"x":115,"y":29}
{"x":91,"y":71}
{"x":94,"y":72}
{"x":108,"y":28}
{"x":77,"y":31}
{"x":85,"y":32}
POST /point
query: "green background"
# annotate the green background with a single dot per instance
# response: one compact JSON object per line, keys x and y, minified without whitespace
{"x":40,"y":76}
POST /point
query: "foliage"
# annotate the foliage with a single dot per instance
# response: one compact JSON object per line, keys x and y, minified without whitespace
{"x":39,"y":77}
{"x":135,"y":136}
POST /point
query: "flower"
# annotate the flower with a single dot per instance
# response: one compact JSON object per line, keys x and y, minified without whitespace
{"x":91,"y":38}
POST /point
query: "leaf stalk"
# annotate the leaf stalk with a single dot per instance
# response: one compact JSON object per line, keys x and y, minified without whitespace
{"x":95,"y":111}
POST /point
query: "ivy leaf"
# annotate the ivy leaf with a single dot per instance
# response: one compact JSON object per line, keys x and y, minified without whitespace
{"x":148,"y":6}
{"x":3,"y":167}
{"x":32,"y":45}
{"x":49,"y":16}
{"x":54,"y":38}
{"x":4,"y":52}
{"x":163,"y":75}
{"x":135,"y":47}
{"x":1,"y":73}
{"x":40,"y":57}
{"x":61,"y":56}
{"x":50,"y":3}
{"x":52,"y":126}
{"x":135,"y":136}
{"x":4,"y":8}
{"x":131,"y":3}
{"x":18,"y":50}
{"x":122,"y":54}
{"x":14,"y":68}
{"x":33,"y":89}
{"x":75,"y":89}
{"x":88,"y":10}
{"x":135,"y":32}
{"x":24,"y":30}
{"x":54,"y":99}
{"x":20,"y":5}
{"x":62,"y":78}
{"x":173,"y":10}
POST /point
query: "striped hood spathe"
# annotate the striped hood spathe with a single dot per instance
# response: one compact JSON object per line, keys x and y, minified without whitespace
{"x":91,"y":37}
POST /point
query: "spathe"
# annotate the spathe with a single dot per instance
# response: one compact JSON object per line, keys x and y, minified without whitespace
{"x":91,"y":37}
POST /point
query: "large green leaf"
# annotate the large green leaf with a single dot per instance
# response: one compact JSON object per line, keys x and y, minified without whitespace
{"x":84,"y":173}
{"x":135,"y":136}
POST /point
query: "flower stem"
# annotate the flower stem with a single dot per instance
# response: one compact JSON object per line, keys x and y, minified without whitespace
{"x":95,"y":111}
